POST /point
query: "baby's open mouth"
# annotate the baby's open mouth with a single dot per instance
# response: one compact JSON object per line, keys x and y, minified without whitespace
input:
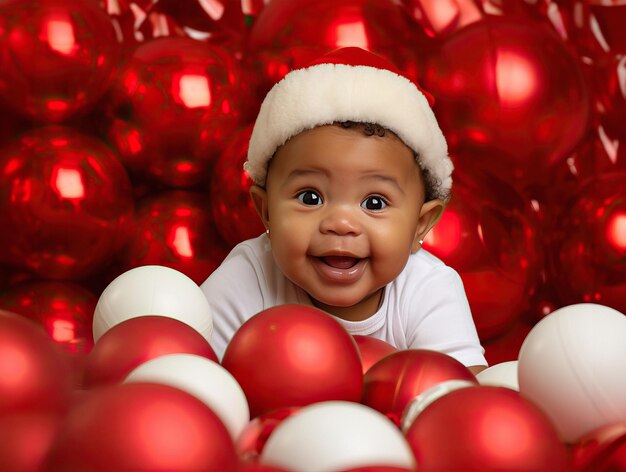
{"x":340,"y":262}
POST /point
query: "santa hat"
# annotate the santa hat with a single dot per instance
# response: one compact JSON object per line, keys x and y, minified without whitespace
{"x":350,"y":84}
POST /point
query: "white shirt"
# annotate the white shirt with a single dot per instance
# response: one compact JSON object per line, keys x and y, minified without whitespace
{"x":425,"y":307}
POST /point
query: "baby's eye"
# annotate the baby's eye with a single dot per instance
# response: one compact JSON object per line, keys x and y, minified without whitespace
{"x":374,"y":203}
{"x":309,"y":197}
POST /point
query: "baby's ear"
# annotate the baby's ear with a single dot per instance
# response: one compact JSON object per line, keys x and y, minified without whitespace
{"x":259,"y":200}
{"x":429,"y":215}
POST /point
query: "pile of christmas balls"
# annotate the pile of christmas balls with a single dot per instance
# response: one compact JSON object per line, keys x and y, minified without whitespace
{"x":295,"y":392}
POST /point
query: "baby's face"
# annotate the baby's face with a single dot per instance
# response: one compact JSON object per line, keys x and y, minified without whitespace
{"x":344,"y":211}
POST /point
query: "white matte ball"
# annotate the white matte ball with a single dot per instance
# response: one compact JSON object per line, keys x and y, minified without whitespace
{"x":500,"y":375}
{"x":573,"y":365}
{"x":336,"y":435}
{"x":152,"y":290}
{"x":202,"y":378}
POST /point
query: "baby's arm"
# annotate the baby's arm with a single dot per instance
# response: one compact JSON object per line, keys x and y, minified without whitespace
{"x":441,"y":319}
{"x":234,"y":294}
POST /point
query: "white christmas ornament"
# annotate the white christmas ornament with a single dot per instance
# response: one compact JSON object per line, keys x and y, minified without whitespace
{"x":572,"y":364}
{"x":153,"y":290}
{"x":202,"y":378}
{"x":336,"y":435}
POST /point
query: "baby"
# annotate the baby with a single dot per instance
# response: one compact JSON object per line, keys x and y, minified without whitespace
{"x":351,"y":172}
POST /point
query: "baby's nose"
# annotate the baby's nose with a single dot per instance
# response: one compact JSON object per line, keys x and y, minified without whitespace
{"x":341,"y":220}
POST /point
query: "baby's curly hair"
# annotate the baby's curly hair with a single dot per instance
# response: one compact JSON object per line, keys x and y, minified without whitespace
{"x":374,"y":129}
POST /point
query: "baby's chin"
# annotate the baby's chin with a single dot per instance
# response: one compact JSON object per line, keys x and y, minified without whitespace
{"x":349,"y":308}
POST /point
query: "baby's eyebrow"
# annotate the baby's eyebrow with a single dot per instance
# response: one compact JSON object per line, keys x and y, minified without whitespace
{"x":304,"y":173}
{"x":385,"y":179}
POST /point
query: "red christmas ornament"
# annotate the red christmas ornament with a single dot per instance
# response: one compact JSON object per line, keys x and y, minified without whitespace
{"x":293,"y":355}
{"x":602,"y":450}
{"x":590,"y":248}
{"x":231,"y":206}
{"x":67,"y":200}
{"x":485,"y":429}
{"x":372,"y":350}
{"x":488,"y":233}
{"x":175,"y":229}
{"x":137,"y":340}
{"x":252,"y":439}
{"x":26,"y":439}
{"x":34,"y":376}
{"x":64,"y":309}
{"x":509,"y":89}
{"x":142,"y":426}
{"x":391,"y":383}
{"x":57,"y":57}
{"x":285,"y":32}
{"x":173,"y":105}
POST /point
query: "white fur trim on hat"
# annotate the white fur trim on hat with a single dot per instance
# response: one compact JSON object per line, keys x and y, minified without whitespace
{"x":326,"y":93}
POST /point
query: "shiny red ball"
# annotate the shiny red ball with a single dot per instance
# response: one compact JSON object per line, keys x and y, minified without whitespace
{"x":293,"y":355}
{"x":142,"y":426}
{"x":68,"y":202}
{"x":601,"y":450}
{"x":490,"y":235}
{"x":172,"y":106}
{"x":137,"y":340}
{"x":372,"y":350}
{"x":509,"y":87}
{"x":58,"y":56}
{"x":34,"y":374}
{"x":589,"y":243}
{"x":391,"y":383}
{"x":286,"y":38}
{"x":233,"y":212}
{"x":485,"y":429}
{"x":63,"y":309}
{"x":252,"y":439}
{"x":174,"y":229}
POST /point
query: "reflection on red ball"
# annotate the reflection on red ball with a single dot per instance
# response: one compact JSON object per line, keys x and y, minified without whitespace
{"x":58,"y":56}
{"x":67,"y":200}
{"x":391,"y":383}
{"x":293,"y":355}
{"x":231,"y":205}
{"x":34,"y":375}
{"x":26,"y":439}
{"x":372,"y":350}
{"x":485,"y":429}
{"x":601,"y":450}
{"x":174,"y":229}
{"x":142,"y":426}
{"x":252,"y":439}
{"x":137,"y":340}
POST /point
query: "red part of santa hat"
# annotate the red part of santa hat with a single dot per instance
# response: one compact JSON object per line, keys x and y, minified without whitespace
{"x":350,"y":84}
